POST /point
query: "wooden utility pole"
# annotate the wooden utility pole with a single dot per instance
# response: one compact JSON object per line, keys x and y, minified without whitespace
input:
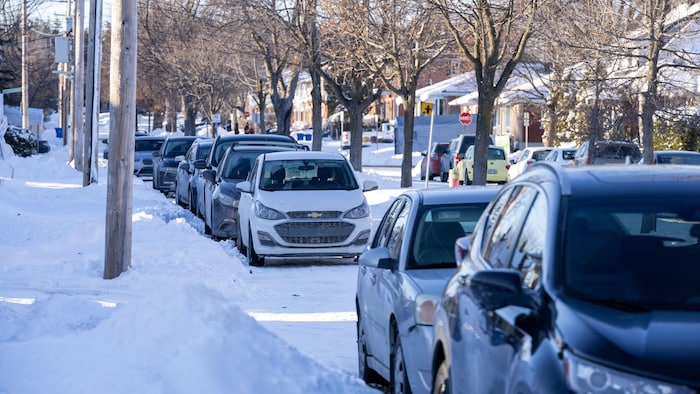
{"x":25,"y":67}
{"x":122,"y":101}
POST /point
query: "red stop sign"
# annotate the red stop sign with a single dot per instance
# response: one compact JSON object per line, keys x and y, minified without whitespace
{"x":465,"y":118}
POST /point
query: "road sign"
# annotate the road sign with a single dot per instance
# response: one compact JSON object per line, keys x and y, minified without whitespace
{"x":12,"y":90}
{"x":465,"y":118}
{"x":426,"y":109}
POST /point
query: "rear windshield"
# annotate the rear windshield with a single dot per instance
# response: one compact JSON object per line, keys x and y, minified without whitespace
{"x":147,"y":145}
{"x":176,"y":148}
{"x":307,"y":175}
{"x":568,"y":154}
{"x":611,"y":151}
{"x":496,"y":154}
{"x":540,"y":154}
{"x":440,"y":149}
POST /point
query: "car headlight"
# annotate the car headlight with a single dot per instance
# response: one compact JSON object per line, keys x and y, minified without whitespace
{"x":425,"y":308}
{"x":586,"y":377}
{"x":224,"y":199}
{"x":361,"y":211}
{"x":264,"y":212}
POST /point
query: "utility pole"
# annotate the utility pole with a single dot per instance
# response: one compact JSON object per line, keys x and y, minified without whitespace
{"x":25,"y":67}
{"x":92,"y":105}
{"x":120,"y":168}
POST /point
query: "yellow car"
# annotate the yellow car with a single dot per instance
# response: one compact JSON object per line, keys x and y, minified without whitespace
{"x":497,"y":167}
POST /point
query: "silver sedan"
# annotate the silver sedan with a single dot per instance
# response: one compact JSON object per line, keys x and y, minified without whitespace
{"x":401,"y":278}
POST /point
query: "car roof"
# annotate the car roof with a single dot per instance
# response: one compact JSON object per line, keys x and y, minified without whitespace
{"x":676,"y":153}
{"x":151,"y":138}
{"x":302,"y":154}
{"x":261,"y":148}
{"x":256,"y":137}
{"x":445,"y":195}
{"x":181,"y":137}
{"x":617,"y":180}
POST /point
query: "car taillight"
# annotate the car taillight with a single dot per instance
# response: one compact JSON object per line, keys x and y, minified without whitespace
{"x":507,"y":166}
{"x":530,"y":162}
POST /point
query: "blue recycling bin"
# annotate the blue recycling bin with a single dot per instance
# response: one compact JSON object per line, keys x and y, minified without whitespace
{"x":307,"y":137}
{"x":59,"y":132}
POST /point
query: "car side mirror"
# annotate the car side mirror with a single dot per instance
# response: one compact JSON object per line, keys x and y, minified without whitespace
{"x":462,"y":247}
{"x":378,"y":258}
{"x":200,"y":164}
{"x":185,"y":166}
{"x":209,"y":175}
{"x":368,"y":186}
{"x":245,"y":187}
{"x":494,"y":289}
{"x":180,"y":158}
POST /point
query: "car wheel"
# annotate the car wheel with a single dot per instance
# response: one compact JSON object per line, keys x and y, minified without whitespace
{"x":441,"y":384}
{"x":253,"y":258}
{"x":444,"y":176}
{"x":239,"y":242}
{"x":398,"y":380}
{"x":366,"y":373}
{"x":467,"y":181}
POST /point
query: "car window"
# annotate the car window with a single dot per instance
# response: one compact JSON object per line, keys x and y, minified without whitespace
{"x":396,"y":235}
{"x":441,"y":148}
{"x":203,"y":151}
{"x":568,"y":154}
{"x":527,"y":257}
{"x":496,"y":154}
{"x":437,"y":230}
{"x":237,"y":165}
{"x":646,"y":253}
{"x":493,"y":214}
{"x":147,"y":145}
{"x":384,"y":229}
{"x":499,"y":248}
{"x":539,"y":154}
{"x":219,"y":151}
{"x":305,"y":174}
{"x":176,"y":148}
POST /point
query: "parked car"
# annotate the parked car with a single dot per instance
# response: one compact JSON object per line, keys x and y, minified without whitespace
{"x":437,"y":151}
{"x":401,"y":277}
{"x":458,"y":147}
{"x":526,"y":158}
{"x":303,"y":203}
{"x":496,"y":166}
{"x":577,"y":280}
{"x":166,"y":160}
{"x":675,"y":157}
{"x":560,"y":156}
{"x":608,"y":152}
{"x":105,"y":153}
{"x":221,"y":144}
{"x":186,"y":176}
{"x":144,"y":147}
{"x":221,"y":211}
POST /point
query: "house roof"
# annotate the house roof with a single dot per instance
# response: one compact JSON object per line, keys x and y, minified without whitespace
{"x":456,"y":86}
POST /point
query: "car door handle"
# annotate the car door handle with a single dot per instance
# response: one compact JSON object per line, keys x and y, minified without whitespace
{"x":373,"y":279}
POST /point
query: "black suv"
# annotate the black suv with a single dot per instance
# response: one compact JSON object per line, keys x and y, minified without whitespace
{"x":577,"y":280}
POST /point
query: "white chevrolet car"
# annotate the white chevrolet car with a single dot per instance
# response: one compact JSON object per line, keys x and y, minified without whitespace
{"x":300,"y":204}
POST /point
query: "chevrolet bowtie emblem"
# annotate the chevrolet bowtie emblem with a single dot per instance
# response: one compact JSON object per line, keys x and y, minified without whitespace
{"x":314,"y":215}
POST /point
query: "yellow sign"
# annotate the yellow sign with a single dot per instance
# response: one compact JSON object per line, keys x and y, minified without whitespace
{"x":426,"y":109}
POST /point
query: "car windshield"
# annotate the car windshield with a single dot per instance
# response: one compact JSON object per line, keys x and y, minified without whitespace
{"x":203,"y":151}
{"x":147,"y":145}
{"x":642,"y":254}
{"x":176,"y":148}
{"x":237,"y":165}
{"x":307,"y":175}
{"x":678,"y":159}
{"x":436,"y":232}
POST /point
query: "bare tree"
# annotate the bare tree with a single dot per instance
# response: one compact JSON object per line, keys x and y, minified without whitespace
{"x":400,"y":39}
{"x":492,"y":35}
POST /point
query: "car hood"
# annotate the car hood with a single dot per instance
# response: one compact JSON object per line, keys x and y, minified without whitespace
{"x":657,"y":343}
{"x":431,"y":281}
{"x":311,"y":200}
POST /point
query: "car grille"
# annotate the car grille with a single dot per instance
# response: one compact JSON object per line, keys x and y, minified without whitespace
{"x":314,"y":233}
{"x":169,"y":177}
{"x":314,"y":214}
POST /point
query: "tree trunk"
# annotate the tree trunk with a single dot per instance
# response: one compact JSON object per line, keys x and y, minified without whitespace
{"x":356,"y":139}
{"x":483,"y":132}
{"x":407,"y":159}
{"x":316,"y":115}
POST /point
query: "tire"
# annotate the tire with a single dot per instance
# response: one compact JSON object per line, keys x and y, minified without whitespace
{"x":253,"y":258}
{"x":398,"y":378}
{"x":467,"y":181}
{"x":239,"y":243}
{"x":366,"y":373}
{"x":441,"y":384}
{"x":191,"y":203}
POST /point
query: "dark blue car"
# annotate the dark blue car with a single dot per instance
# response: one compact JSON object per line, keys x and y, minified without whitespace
{"x":581,"y":280}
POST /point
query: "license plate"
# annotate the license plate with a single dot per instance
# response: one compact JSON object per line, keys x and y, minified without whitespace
{"x":492,"y":171}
